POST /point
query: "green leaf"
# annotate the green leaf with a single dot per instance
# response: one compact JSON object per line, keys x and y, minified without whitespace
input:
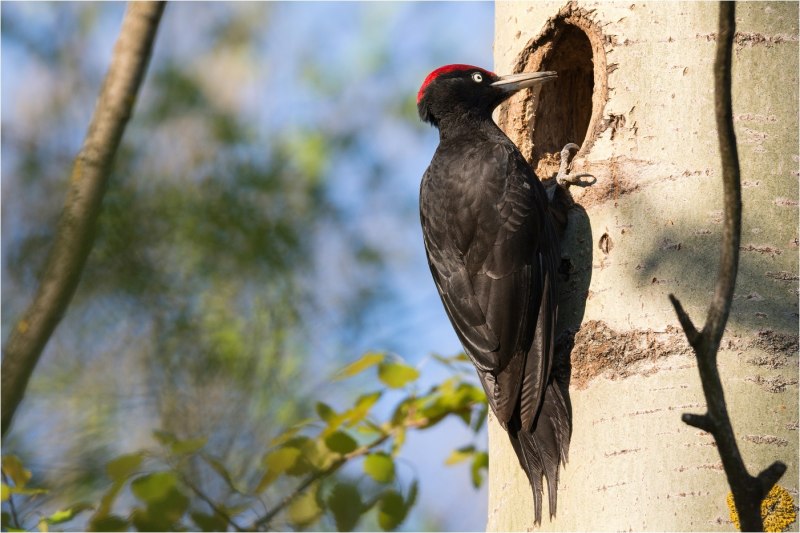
{"x":222,"y":471}
{"x":209,"y":522}
{"x":12,"y":467}
{"x":65,"y":515}
{"x":442,"y":359}
{"x":317,"y":456}
{"x":459,"y":455}
{"x":452,"y":397}
{"x":181,"y":447}
{"x":480,"y":418}
{"x":28,"y":491}
{"x":145,"y":520}
{"x":346,"y":505}
{"x":304,"y":509}
{"x":266,"y":480}
{"x":453,"y":360}
{"x":164,"y":437}
{"x":282,"y":459}
{"x":170,"y":508}
{"x":109,"y":523}
{"x":366,"y":361}
{"x":301,"y":442}
{"x":479,"y":462}
{"x":391,"y":510}
{"x":6,"y":492}
{"x":325,"y":411}
{"x":370,"y":428}
{"x":120,"y":468}
{"x":399,"y":440}
{"x":107,"y":501}
{"x":59,"y":517}
{"x":362,"y":407}
{"x":340,"y":442}
{"x":278,"y":462}
{"x":403,"y":410}
{"x":287,"y":435}
{"x":380,"y":467}
{"x":161,"y":514}
{"x":464,"y":395}
{"x":397,"y":375}
{"x":330,"y":417}
{"x":412,"y":495}
{"x":153,"y":487}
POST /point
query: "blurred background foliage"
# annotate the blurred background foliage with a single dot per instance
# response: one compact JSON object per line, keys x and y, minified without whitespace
{"x":259,"y":233}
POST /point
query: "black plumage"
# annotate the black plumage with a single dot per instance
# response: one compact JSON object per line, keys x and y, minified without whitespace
{"x":494,"y":253}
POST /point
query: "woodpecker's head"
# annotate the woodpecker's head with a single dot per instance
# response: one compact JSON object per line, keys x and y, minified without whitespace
{"x":466,"y":90}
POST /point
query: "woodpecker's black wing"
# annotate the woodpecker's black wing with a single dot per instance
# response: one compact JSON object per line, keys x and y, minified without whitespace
{"x":493,"y":253}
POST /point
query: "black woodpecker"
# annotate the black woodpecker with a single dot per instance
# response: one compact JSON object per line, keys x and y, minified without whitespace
{"x":494,"y":254}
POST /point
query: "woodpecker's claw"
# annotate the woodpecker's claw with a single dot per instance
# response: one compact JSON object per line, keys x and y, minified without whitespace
{"x":575,"y":179}
{"x":565,"y":179}
{"x":565,"y":157}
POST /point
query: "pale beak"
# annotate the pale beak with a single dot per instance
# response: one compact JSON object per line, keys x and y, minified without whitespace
{"x":515,"y":82}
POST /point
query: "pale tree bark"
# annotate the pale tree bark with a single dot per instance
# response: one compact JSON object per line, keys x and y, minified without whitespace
{"x":637,"y":91}
{"x":87,"y":184}
{"x":748,"y":491}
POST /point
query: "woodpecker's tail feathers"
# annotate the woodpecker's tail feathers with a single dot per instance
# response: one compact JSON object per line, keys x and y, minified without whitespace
{"x":542,"y":449}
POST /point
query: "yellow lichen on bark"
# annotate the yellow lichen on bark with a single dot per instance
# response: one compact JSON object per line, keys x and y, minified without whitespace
{"x":777,"y":510}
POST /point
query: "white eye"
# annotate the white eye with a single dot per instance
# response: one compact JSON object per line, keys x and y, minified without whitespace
{"x":477,"y":77}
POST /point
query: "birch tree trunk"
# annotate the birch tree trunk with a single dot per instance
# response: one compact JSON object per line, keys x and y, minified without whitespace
{"x":635,"y":90}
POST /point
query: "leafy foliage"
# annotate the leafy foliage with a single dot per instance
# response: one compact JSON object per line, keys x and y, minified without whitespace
{"x":304,"y":464}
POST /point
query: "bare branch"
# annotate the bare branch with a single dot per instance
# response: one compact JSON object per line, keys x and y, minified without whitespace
{"x":769,"y":476}
{"x":686,"y":323}
{"x":336,"y":465}
{"x":87,"y":185}
{"x":699,"y":421}
{"x":748,"y":491}
{"x":203,"y":496}
{"x":311,"y":478}
{"x":732,"y":194}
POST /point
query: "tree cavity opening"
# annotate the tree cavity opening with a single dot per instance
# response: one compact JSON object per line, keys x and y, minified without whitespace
{"x":569,"y":109}
{"x":564,"y":108}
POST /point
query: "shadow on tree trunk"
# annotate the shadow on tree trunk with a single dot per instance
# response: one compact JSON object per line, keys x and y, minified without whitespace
{"x":748,"y":491}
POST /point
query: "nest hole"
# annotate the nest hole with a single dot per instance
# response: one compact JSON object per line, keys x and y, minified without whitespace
{"x":569,"y":109}
{"x":564,"y":109}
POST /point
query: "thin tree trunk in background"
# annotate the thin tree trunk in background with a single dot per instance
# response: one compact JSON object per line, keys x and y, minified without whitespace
{"x":76,"y":226}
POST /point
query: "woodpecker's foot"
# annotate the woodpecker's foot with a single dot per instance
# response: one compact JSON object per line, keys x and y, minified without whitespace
{"x":563,"y":178}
